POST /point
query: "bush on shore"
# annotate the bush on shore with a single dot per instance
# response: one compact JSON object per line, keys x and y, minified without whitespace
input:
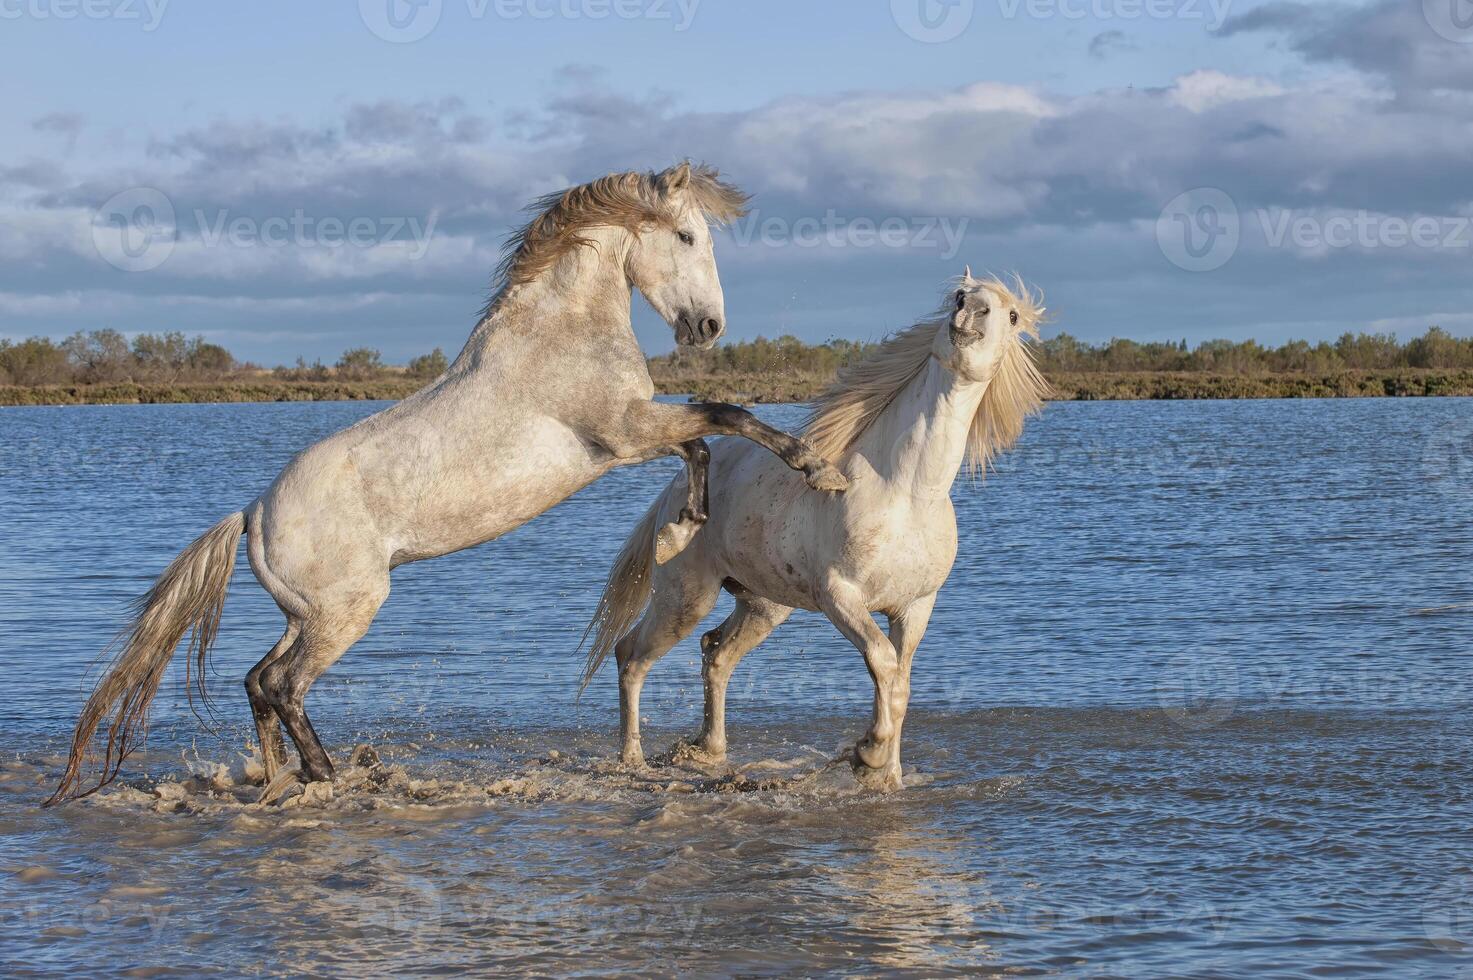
{"x":430,"y":365}
{"x":106,"y":357}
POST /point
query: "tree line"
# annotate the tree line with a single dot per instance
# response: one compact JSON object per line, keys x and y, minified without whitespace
{"x":108,"y":357}
{"x":1351,"y":352}
{"x":1067,"y":354}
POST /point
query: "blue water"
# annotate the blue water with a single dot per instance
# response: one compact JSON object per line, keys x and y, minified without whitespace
{"x":1195,"y":701}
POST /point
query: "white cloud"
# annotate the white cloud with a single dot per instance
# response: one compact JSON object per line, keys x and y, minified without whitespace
{"x":1205,"y":89}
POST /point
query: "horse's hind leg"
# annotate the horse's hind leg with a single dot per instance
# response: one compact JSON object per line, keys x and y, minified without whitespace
{"x":321,"y":642}
{"x":677,"y":606}
{"x":268,"y":726}
{"x":751,"y":622}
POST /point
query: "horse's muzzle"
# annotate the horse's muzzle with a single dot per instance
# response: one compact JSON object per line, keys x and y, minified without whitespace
{"x":696,"y":330}
{"x":963,"y":336}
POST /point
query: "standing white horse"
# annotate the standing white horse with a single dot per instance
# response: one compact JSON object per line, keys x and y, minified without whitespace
{"x":899,"y":424}
{"x":550,"y":393}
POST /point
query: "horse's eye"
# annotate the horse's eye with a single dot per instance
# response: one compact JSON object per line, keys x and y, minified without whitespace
{"x":1013,"y":317}
{"x":961,"y":299}
{"x":688,"y":238}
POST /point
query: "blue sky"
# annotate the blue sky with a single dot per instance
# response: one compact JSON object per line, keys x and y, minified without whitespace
{"x":1161,"y":168}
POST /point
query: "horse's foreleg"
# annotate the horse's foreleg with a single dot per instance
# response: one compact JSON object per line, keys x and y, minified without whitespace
{"x":878,"y":752}
{"x":645,"y":425}
{"x":906,"y":630}
{"x":672,"y":538}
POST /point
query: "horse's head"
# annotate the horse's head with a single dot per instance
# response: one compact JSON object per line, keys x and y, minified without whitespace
{"x":673,"y":263}
{"x":986,"y":318}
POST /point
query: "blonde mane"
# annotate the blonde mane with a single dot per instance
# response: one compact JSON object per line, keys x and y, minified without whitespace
{"x":633,"y":200}
{"x":864,"y":390}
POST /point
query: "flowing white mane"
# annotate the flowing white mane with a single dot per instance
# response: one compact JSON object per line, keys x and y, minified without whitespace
{"x":863,"y":390}
{"x":634,"y":200}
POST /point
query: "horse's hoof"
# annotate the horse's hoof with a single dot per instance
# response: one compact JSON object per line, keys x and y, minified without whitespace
{"x":671,"y":541}
{"x":685,"y":750}
{"x":283,"y":781}
{"x":881,"y":780}
{"x":826,"y":476}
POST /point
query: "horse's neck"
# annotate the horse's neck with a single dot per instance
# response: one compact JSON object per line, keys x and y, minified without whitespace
{"x":587,"y":290}
{"x":919,"y":441}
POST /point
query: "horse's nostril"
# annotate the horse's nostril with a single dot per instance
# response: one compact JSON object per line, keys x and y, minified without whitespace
{"x":710,"y":327}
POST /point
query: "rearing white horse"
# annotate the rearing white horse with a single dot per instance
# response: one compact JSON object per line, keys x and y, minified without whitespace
{"x":899,"y":424}
{"x":550,"y":393}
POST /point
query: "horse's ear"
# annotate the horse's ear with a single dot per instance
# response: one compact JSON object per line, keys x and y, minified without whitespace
{"x":967,"y":275}
{"x":677,"y":178}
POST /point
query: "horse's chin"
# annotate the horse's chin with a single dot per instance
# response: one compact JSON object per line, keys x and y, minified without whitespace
{"x":697,"y":344}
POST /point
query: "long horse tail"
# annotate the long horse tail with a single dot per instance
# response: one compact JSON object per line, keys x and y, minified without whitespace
{"x":626,"y":593}
{"x":189,"y":596}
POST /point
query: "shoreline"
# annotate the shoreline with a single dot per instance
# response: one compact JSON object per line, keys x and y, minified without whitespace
{"x":792,"y":388}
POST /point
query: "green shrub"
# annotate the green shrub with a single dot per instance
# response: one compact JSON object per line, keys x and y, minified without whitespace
{"x":430,"y":365}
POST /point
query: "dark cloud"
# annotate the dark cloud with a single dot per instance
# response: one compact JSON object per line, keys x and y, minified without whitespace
{"x":65,"y":123}
{"x":1393,"y":39}
{"x":1107,"y":43}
